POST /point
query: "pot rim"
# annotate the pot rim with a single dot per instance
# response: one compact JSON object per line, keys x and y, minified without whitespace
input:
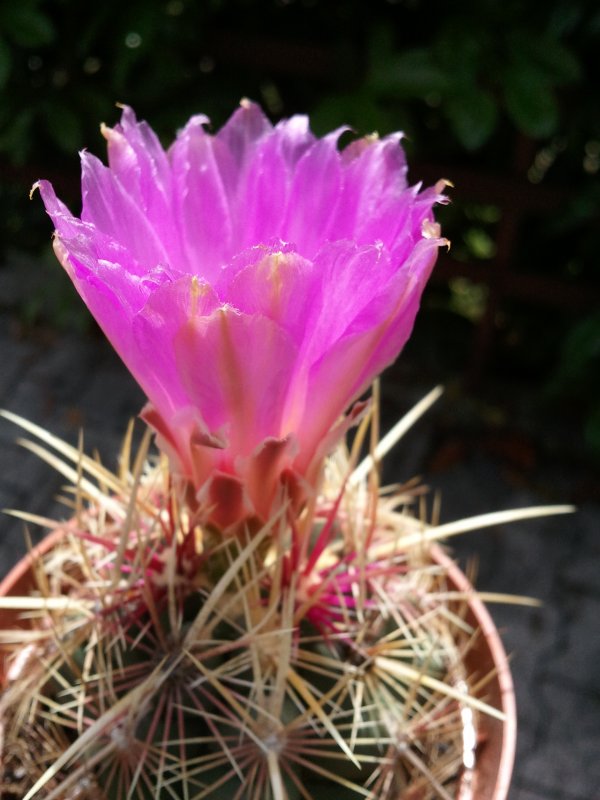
{"x":502,"y":678}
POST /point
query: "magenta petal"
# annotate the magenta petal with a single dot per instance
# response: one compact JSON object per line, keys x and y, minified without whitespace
{"x":367,"y":347}
{"x":112,"y":284}
{"x":351,"y":277}
{"x":392,"y":223}
{"x":111,"y":209}
{"x":108,"y":305}
{"x":142,"y":167}
{"x":294,"y":137}
{"x":246,"y":126}
{"x":262,"y":194}
{"x":64,"y":222}
{"x":136,"y":156}
{"x":315,"y":189}
{"x":407,"y":299}
{"x":264,"y":184}
{"x":202,"y":205}
{"x":374,"y":174}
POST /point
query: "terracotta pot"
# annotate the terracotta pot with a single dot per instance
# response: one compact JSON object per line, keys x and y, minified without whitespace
{"x":19,"y":581}
{"x":495,"y":752}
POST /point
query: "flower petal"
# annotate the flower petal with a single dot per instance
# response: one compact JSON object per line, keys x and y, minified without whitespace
{"x":137,"y":158}
{"x":277,"y":283}
{"x":111,"y":282}
{"x":155,"y":329}
{"x":262,"y":471}
{"x":351,"y":277}
{"x":225,"y":500}
{"x":201,"y":202}
{"x":240,"y":134}
{"x":264,"y":183}
{"x":374,"y":173}
{"x":109,"y":207}
{"x":139,"y":162}
{"x":366,"y":348}
{"x":314,"y":195}
{"x":239,"y":386}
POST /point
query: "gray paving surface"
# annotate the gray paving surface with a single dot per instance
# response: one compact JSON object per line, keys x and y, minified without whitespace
{"x":65,"y":382}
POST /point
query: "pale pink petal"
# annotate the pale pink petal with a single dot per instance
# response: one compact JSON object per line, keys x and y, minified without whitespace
{"x":277,"y":283}
{"x":312,"y":460}
{"x":225,"y":498}
{"x":262,"y":470}
{"x":239,"y":386}
{"x":155,"y":329}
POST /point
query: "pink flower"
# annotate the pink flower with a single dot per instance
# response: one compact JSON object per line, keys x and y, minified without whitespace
{"x":255,"y":282}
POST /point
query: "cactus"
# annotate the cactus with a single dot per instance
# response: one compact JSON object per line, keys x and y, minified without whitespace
{"x":243,"y":614}
{"x":316,"y":655}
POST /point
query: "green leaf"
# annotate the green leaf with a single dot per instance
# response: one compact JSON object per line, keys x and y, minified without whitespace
{"x":473,"y":116}
{"x":26,"y":26}
{"x":5,"y":63}
{"x":530,"y":100}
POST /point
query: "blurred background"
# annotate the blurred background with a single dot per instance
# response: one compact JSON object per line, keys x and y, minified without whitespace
{"x":501,"y":98}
